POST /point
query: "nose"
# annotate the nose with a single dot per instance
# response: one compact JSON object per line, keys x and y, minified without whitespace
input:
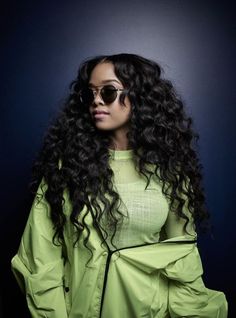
{"x":97,"y":98}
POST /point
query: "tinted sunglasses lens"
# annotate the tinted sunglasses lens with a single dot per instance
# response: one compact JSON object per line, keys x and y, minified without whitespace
{"x":108,"y":94}
{"x":86,"y":96}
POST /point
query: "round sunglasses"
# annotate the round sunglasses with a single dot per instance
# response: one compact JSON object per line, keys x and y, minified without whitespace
{"x":108,"y":93}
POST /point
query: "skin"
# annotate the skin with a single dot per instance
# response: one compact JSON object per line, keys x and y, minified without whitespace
{"x":118,"y":119}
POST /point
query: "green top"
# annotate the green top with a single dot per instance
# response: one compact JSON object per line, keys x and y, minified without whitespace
{"x":145,"y":210}
{"x":143,"y":281}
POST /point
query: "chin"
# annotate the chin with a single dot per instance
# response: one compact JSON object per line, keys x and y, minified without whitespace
{"x":102,"y":125}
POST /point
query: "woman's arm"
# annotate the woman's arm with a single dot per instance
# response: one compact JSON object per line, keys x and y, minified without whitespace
{"x":174,"y":225}
{"x":38,"y":265}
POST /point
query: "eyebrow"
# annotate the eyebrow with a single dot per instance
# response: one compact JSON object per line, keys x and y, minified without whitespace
{"x":106,"y":81}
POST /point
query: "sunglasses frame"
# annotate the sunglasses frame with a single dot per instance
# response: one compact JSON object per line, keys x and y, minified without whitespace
{"x":99,"y":90}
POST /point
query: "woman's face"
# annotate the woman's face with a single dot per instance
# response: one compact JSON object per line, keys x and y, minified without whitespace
{"x":118,"y":115}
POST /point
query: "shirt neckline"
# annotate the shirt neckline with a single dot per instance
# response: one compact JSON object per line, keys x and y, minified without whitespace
{"x":121,"y":154}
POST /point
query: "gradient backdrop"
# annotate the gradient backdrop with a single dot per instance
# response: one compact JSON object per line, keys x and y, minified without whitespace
{"x":43,"y":44}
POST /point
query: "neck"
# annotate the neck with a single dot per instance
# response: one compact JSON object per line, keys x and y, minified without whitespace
{"x":120,"y":141}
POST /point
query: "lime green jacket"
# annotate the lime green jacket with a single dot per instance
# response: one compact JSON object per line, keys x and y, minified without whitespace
{"x":159,"y":280}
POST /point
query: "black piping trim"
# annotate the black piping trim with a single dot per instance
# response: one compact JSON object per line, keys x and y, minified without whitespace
{"x":181,"y":242}
{"x":146,"y":244}
{"x":105,"y":280}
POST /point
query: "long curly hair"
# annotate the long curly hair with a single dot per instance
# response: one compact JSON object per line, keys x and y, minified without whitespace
{"x":159,"y":127}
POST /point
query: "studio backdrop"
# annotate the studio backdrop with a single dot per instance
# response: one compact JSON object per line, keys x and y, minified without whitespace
{"x":43,"y":44}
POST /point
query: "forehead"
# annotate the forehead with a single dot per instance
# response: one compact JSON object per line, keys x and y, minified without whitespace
{"x":103,"y":73}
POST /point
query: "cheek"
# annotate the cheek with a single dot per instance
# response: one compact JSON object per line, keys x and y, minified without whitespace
{"x":122,"y":118}
{"x":122,"y":114}
{"x":128,"y":107}
{"x":127,"y":111}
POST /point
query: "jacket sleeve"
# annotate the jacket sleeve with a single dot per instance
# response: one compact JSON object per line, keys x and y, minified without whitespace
{"x":38,"y":265}
{"x":188,"y":296}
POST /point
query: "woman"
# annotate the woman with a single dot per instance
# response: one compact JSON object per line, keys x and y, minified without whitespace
{"x":112,"y":229}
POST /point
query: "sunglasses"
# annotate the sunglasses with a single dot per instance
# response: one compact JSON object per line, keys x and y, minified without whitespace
{"x":108,"y":93}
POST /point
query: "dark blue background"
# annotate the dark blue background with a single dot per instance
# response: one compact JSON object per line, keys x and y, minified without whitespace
{"x":43,"y":44}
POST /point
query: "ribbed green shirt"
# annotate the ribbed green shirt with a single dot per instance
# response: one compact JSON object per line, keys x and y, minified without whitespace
{"x":145,"y":210}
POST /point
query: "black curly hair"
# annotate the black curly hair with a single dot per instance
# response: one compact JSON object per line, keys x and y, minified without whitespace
{"x":160,"y":134}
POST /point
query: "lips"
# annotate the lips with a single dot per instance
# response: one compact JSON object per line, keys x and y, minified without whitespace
{"x":96,"y":112}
